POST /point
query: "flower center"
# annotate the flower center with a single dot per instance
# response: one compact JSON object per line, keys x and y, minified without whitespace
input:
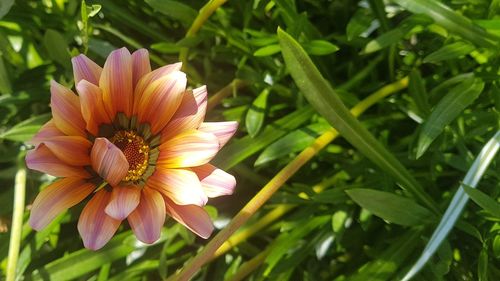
{"x":136,"y":151}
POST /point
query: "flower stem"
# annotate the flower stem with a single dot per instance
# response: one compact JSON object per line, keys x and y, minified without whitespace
{"x":17,"y":221}
{"x":276,"y":182}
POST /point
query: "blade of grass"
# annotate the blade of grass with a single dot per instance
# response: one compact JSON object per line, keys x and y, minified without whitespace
{"x":457,"y":204}
{"x":326,"y":101}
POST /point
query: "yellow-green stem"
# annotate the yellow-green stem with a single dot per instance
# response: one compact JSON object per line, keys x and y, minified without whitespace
{"x":276,"y":182}
{"x":17,"y":222}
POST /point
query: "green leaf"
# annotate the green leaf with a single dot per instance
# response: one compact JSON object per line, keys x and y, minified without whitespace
{"x":447,"y":110}
{"x":267,"y":50}
{"x":417,"y":90}
{"x":482,"y":265}
{"x":320,"y":48}
{"x":5,"y":86}
{"x":175,"y":10}
{"x":57,"y":48}
{"x":359,"y":23}
{"x":450,"y":51}
{"x":483,"y":200}
{"x":390,"y":207}
{"x":166,"y":47}
{"x":451,"y":21}
{"x":5,"y":6}
{"x":326,"y":101}
{"x":256,"y":113}
{"x":25,"y":130}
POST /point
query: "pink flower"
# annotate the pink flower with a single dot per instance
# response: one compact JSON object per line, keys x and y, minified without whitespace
{"x":134,"y":141}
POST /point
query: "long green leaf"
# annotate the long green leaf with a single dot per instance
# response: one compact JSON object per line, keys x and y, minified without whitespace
{"x":457,"y":204}
{"x":326,"y":101}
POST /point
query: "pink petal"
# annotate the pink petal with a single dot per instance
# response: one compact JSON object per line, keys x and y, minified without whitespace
{"x":195,"y":218}
{"x":92,"y":106}
{"x":147,"y":219}
{"x":47,"y":131}
{"x":43,"y":160}
{"x":72,"y":150}
{"x":160,"y":100}
{"x":140,"y":65}
{"x":85,"y":69}
{"x":124,"y":200}
{"x":66,"y":110}
{"x":189,"y":115}
{"x":116,"y":83}
{"x":108,"y":161}
{"x":56,"y":198}
{"x":95,"y":227}
{"x":189,"y":149}
{"x":215,"y":182}
{"x":182,"y":186}
{"x":222,"y":130}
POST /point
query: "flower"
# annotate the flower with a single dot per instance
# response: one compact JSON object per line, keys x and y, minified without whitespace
{"x":134,"y":141}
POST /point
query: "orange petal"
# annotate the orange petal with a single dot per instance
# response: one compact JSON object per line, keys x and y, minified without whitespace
{"x":161,"y":99}
{"x":72,"y":150}
{"x":85,"y":69}
{"x":195,"y":218}
{"x":66,"y":110}
{"x":222,"y":130}
{"x":182,"y":186}
{"x":95,"y":227}
{"x":108,"y":161}
{"x":43,"y":160}
{"x":140,"y":65}
{"x":92,"y":106}
{"x":116,"y":83}
{"x":124,"y":199}
{"x":190,"y":113}
{"x":56,"y":198}
{"x":189,"y":149}
{"x":215,"y":182}
{"x":47,"y":131}
{"x":147,"y":219}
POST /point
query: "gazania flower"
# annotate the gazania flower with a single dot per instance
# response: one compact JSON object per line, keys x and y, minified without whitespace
{"x":134,"y":141}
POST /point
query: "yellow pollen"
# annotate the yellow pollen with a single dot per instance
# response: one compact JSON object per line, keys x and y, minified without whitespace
{"x":135,"y":150}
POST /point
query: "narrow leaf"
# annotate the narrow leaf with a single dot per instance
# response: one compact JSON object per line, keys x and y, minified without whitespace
{"x":450,"y":51}
{"x":483,"y":200}
{"x":267,"y":50}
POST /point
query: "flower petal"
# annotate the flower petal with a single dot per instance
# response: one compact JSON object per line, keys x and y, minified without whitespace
{"x":95,"y":227}
{"x":195,"y":218}
{"x":85,"y":69}
{"x":140,"y":65}
{"x":108,"y":161}
{"x":189,"y":115}
{"x":56,"y":198}
{"x":222,"y":130}
{"x":189,"y":149}
{"x":43,"y":160}
{"x":116,"y":83}
{"x":182,"y":186}
{"x":148,"y":218}
{"x":124,"y":200}
{"x":66,"y":110}
{"x":72,"y":150}
{"x":160,"y":100}
{"x":92,"y":106}
{"x":215,"y":182}
{"x":47,"y":131}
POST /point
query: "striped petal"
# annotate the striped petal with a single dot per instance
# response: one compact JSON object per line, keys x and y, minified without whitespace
{"x":116,"y":83}
{"x":66,"y":110}
{"x":182,"y":186}
{"x":148,"y":218}
{"x":160,"y":100}
{"x":85,"y":69}
{"x":56,"y":198}
{"x":215,"y":182}
{"x":94,"y":225}
{"x":47,"y":131}
{"x":123,"y":201}
{"x":72,"y":150}
{"x":140,"y":65}
{"x":222,"y":130}
{"x":43,"y":160}
{"x":189,"y":149}
{"x":92,"y":106}
{"x":108,"y":161}
{"x":195,"y":218}
{"x":189,"y":115}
